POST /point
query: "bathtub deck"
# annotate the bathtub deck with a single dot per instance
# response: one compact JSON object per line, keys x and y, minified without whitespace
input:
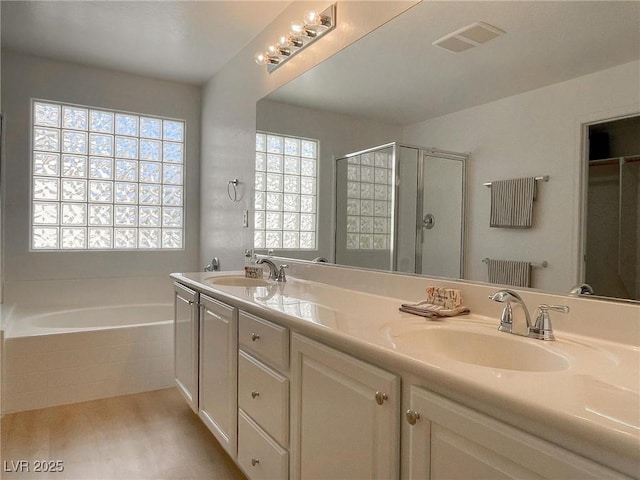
{"x":151,"y":435}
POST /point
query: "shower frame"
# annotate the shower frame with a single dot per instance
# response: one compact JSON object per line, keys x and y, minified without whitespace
{"x":422,"y":153}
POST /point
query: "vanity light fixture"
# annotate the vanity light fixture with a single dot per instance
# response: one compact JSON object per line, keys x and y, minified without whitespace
{"x":301,"y":35}
{"x":468,"y":37}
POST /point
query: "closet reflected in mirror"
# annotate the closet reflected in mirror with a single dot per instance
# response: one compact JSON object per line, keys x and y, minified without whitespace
{"x":612,"y":259}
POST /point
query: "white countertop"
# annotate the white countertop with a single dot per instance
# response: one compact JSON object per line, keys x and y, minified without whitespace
{"x":591,"y":406}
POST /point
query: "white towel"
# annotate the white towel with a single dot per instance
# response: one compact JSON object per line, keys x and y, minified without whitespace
{"x":512,"y":202}
{"x":509,"y":272}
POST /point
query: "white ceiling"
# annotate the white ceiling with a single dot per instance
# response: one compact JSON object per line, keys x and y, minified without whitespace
{"x":186,"y":41}
{"x":397,"y":76}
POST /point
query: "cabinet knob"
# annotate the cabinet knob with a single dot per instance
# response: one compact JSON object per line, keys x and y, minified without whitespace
{"x":255,"y":394}
{"x":254,"y":462}
{"x":381,"y":397}
{"x":412,"y":417}
{"x":254,"y":336}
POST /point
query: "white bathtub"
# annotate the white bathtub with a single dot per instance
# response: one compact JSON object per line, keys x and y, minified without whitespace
{"x":59,"y":356}
{"x":92,"y":318}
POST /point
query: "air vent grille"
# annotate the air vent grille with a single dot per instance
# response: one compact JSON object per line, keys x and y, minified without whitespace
{"x":468,"y":37}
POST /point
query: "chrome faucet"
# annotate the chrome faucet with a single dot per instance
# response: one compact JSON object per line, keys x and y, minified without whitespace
{"x":275,"y":273}
{"x":213,"y":266}
{"x":541,"y":328}
{"x":507,"y":317}
{"x":581,"y":289}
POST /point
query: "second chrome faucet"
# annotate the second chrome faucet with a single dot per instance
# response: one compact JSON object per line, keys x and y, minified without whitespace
{"x":517,"y":320}
{"x":275,"y":273}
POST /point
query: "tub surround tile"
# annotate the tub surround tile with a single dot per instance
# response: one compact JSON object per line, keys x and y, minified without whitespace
{"x":48,"y":370}
{"x":87,"y":292}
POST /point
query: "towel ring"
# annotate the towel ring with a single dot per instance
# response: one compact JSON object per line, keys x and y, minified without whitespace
{"x":235,"y":182}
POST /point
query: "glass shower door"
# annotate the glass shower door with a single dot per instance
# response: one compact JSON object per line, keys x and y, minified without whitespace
{"x":441,"y":228}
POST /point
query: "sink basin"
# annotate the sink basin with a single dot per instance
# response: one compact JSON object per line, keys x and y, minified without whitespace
{"x":490,"y":349}
{"x":237,"y":281}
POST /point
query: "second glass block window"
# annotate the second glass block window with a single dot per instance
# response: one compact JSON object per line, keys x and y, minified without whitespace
{"x":285,"y":192}
{"x":106,"y":180}
{"x":368,"y":208}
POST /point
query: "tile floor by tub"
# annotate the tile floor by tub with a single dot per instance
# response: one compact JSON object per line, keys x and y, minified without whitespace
{"x":151,"y":435}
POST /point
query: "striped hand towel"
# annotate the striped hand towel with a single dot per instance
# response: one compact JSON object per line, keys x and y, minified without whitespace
{"x":512,"y":202}
{"x":509,"y":272}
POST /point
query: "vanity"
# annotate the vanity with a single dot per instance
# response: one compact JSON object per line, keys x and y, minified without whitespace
{"x":318,"y":378}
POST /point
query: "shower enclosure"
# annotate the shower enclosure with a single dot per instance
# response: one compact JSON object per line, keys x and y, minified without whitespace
{"x":401,"y":208}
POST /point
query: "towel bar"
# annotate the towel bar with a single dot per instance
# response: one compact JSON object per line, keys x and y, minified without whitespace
{"x":544,"y":178}
{"x":543,"y":264}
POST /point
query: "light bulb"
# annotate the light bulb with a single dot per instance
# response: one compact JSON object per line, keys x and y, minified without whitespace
{"x":297,"y":29}
{"x":272,"y":50}
{"x":261,"y":59}
{"x":312,"y":18}
{"x":288,"y":41}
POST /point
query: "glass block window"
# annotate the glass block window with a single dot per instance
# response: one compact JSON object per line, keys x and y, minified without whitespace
{"x":369,"y":194}
{"x":285,"y":192}
{"x":105,"y":180}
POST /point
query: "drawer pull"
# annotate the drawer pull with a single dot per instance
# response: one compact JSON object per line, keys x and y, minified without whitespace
{"x":381,"y":397}
{"x":254,"y":462}
{"x":254,"y":337}
{"x":255,"y":394}
{"x":412,"y":417}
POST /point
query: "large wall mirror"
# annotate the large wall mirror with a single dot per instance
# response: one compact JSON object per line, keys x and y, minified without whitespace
{"x":521,"y":93}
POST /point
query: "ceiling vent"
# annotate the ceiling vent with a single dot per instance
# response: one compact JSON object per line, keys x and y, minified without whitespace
{"x":468,"y":37}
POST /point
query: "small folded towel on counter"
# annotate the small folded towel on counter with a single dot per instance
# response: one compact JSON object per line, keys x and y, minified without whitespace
{"x":440,"y":302}
{"x":426,"y":309}
{"x":509,"y":272}
{"x":512,"y":202}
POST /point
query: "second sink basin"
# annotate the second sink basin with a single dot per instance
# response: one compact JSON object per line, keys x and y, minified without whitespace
{"x":237,"y":281}
{"x":490,"y":349}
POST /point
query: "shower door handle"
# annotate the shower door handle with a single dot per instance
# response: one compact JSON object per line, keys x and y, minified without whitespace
{"x":428,"y":221}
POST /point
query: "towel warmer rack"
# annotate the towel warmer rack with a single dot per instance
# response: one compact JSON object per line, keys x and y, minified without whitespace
{"x":544,"y":178}
{"x":543,"y":264}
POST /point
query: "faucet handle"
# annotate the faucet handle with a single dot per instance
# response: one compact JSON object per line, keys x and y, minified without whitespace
{"x":282,"y":277}
{"x":542,"y":329}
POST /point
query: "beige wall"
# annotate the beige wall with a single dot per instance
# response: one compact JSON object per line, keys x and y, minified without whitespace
{"x":229,"y":118}
{"x":531,"y":134}
{"x":26,"y":77}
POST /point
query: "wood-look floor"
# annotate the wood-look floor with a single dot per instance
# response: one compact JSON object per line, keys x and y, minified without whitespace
{"x":152,"y":435}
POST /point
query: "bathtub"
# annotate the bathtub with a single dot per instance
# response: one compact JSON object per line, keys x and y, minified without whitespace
{"x":92,"y":318}
{"x":69,"y":355}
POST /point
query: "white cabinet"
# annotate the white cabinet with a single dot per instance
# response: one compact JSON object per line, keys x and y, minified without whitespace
{"x":449,"y":441}
{"x":185,"y":330}
{"x":259,"y":456}
{"x":263,"y":398}
{"x":218,"y":371}
{"x":345,"y":415}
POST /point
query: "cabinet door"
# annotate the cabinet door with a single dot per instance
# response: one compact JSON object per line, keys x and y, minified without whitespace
{"x":218,"y":371}
{"x":185,"y":334}
{"x":345,"y":415}
{"x":449,"y":441}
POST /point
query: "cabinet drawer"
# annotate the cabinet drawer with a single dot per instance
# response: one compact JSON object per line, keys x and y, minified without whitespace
{"x":264,"y":394}
{"x":265,"y":339}
{"x":258,"y":455}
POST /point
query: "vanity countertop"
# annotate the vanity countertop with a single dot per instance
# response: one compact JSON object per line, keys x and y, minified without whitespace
{"x":589,"y":404}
